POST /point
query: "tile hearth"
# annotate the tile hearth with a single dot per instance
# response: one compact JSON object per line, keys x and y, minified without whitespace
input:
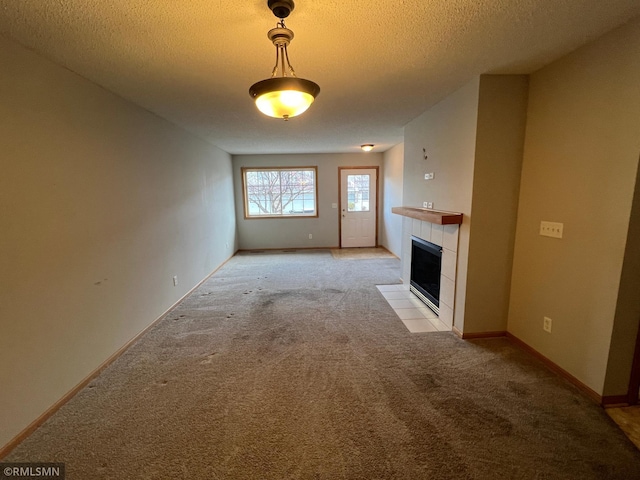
{"x":416,"y":316}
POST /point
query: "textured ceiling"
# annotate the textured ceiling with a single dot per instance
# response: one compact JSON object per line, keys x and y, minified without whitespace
{"x":379,"y":63}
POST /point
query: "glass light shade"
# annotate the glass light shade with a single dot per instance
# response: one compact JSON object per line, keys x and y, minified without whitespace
{"x":284,"y":97}
{"x":284,"y":104}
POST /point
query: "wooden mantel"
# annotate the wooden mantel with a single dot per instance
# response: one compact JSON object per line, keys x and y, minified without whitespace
{"x":432,"y":216}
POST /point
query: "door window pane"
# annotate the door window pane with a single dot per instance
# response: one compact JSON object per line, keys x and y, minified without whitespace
{"x":358,"y":193}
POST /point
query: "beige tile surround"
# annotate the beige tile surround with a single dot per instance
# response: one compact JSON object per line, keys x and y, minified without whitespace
{"x":416,"y":316}
{"x":445,"y":236}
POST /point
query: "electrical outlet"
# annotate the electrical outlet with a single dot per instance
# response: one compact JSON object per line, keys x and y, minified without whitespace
{"x":428,"y":176}
{"x":429,"y":204}
{"x":175,"y":281}
{"x":546,"y":324}
{"x":310,"y":236}
{"x":424,"y":204}
{"x":551,"y":229}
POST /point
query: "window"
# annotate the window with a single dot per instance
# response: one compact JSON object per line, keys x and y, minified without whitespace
{"x":358,"y":193}
{"x":280,"y":192}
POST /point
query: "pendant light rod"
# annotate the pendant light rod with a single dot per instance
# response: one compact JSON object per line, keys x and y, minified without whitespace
{"x":281,"y":37}
{"x":286,"y":56}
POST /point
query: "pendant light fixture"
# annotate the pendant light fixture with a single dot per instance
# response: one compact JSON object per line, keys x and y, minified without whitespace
{"x":283,"y":95}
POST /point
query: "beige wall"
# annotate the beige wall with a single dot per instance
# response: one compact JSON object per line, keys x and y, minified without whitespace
{"x":391,"y":228}
{"x":580,"y":161}
{"x":473,"y":139}
{"x":101,"y":204}
{"x":447,"y":132}
{"x":294,"y":232}
{"x":581,"y":151}
{"x":502,"y":109}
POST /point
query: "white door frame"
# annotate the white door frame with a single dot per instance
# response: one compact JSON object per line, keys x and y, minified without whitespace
{"x":377,"y":185}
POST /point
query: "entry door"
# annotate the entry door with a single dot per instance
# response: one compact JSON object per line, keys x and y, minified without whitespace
{"x":358,"y":207}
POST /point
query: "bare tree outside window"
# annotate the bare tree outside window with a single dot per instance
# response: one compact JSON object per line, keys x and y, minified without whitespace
{"x":276,"y":192}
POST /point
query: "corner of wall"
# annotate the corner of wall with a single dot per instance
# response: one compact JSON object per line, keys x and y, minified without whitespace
{"x":502,"y":109}
{"x":626,"y":321}
{"x":392,"y":186}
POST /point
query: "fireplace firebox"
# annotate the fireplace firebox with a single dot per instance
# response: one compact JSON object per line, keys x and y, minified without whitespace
{"x":426,"y":262}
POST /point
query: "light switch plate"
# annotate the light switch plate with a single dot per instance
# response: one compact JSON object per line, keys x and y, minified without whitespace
{"x":551,"y":229}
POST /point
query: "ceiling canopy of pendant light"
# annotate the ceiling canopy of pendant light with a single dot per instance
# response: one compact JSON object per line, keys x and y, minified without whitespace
{"x":284,"y":95}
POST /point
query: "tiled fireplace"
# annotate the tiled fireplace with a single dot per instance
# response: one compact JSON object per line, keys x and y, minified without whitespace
{"x":445,"y":236}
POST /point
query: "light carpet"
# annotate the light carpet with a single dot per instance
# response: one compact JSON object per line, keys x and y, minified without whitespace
{"x":293,"y":366}
{"x":361,"y":253}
